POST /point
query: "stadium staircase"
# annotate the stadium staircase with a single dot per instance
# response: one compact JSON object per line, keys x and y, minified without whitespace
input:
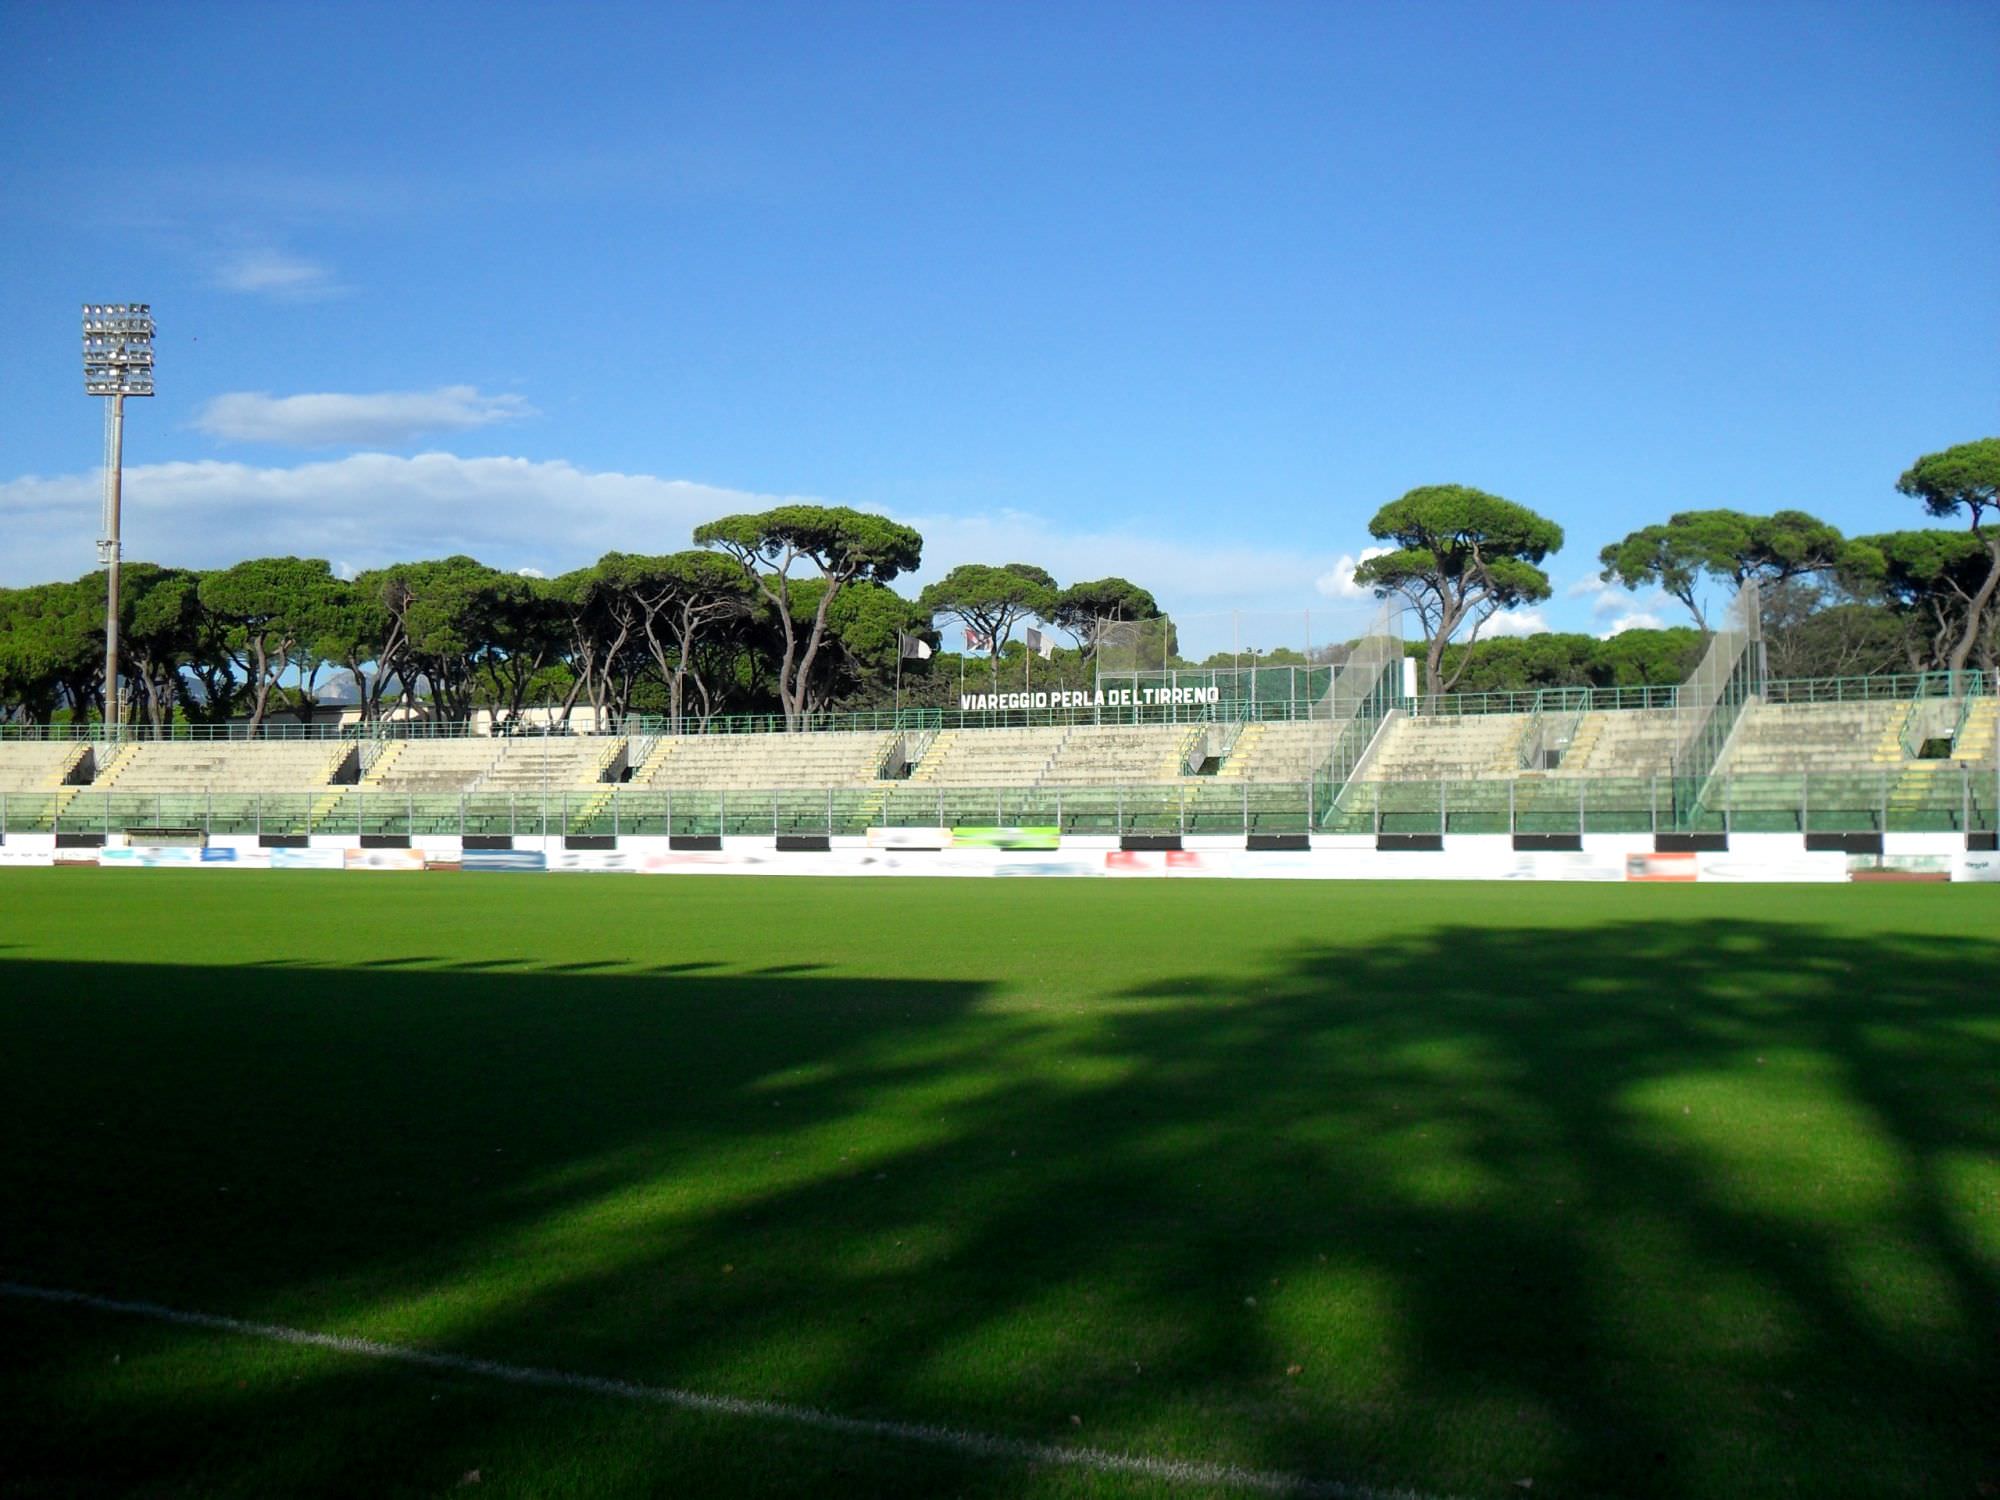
{"x":607,"y":765}
{"x":1621,"y":742}
{"x":1918,"y":799}
{"x":896,"y":769}
{"x":432,"y":766}
{"x":1242,"y":755}
{"x":990,"y":757}
{"x":1790,"y":762}
{"x":383,"y":762}
{"x":220,"y":785}
{"x":37,"y":780}
{"x":1451,"y":747}
{"x":937,"y":753}
{"x":1106,"y":755}
{"x":108,"y":771}
{"x":762,"y":762}
{"x":40,"y":765}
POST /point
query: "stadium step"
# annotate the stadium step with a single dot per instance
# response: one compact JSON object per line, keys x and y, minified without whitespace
{"x":1974,"y":745}
{"x":1241,"y":754}
{"x":649,"y":771}
{"x":109,"y":771}
{"x":934,"y":755}
{"x":64,"y":796}
{"x":1889,"y":744}
{"x":323,"y":808}
{"x":584,"y":817}
{"x":384,"y":762}
{"x":1589,"y":730}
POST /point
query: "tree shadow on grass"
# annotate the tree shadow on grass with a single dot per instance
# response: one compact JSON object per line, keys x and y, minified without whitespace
{"x":1656,"y":1208}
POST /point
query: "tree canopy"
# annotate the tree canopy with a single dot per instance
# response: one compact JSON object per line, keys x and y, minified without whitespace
{"x":268,"y":608}
{"x":1728,"y":545}
{"x":1081,"y":607}
{"x":844,"y":545}
{"x":792,"y":608}
{"x":1460,"y":555}
{"x":1932,"y":578}
{"x":1965,"y":478}
{"x":991,"y":600}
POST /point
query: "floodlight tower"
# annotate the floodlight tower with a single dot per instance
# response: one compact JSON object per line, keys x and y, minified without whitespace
{"x":117,"y":362}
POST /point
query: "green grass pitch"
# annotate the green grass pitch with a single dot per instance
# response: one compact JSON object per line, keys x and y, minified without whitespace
{"x":1625,"y":1191}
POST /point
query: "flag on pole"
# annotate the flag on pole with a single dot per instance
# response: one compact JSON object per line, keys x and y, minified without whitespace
{"x":913,"y":647}
{"x":1040,"y":644}
{"x":978,"y":640}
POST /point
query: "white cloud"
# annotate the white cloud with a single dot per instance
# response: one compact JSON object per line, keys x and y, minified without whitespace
{"x":1338,"y":582}
{"x":389,"y":418}
{"x":1624,"y":609}
{"x":1589,"y":584}
{"x":367,"y":509}
{"x":1515,"y":622}
{"x":1638,"y":619}
{"x":273,"y":273}
{"x":364,"y":509}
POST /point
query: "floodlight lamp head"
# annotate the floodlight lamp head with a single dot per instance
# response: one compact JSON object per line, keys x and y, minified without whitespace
{"x":118,"y":348}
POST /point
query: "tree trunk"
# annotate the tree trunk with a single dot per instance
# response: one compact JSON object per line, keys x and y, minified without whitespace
{"x":1975,"y":611}
{"x":795,"y":719}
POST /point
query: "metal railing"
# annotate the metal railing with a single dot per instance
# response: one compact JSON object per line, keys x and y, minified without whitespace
{"x":1579,"y":699}
{"x":1875,"y":689}
{"x":1953,"y":799}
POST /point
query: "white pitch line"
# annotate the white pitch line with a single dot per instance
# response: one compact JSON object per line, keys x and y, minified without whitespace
{"x":951,"y":1439}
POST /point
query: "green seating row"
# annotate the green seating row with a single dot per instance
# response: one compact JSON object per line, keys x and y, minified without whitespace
{"x":1948,"y":800}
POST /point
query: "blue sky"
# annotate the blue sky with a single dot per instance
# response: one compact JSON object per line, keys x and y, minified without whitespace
{"x":1183,"y":292}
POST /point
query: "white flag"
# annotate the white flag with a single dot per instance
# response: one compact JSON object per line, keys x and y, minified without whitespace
{"x":1040,"y":644}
